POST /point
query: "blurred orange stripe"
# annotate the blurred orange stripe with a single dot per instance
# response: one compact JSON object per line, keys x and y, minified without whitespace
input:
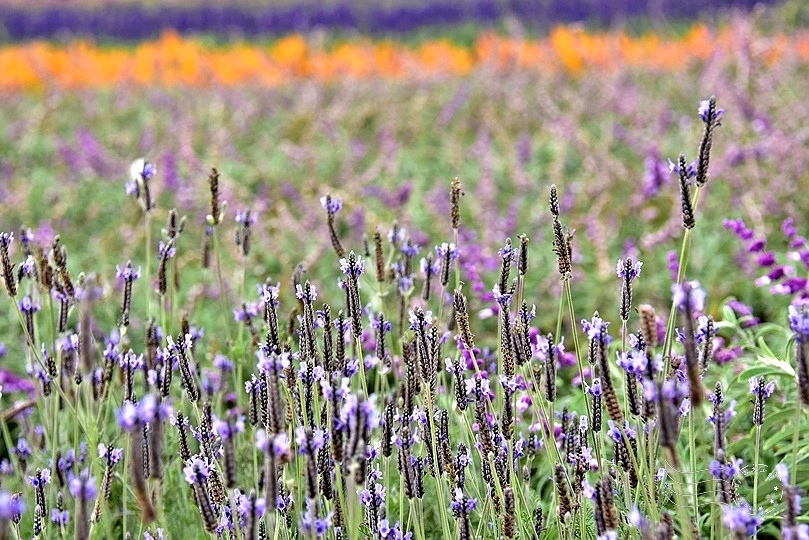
{"x":175,"y":61}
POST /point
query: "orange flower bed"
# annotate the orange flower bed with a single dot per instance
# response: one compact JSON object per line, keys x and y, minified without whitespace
{"x":175,"y":61}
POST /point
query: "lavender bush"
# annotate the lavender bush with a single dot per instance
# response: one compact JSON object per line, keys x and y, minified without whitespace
{"x":369,"y":399}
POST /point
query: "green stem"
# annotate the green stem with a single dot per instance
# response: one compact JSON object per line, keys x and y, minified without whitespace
{"x":755,"y":470}
{"x":796,"y":430}
{"x":678,"y":483}
{"x":148,"y":272}
{"x":217,"y":252}
{"x":693,"y":459}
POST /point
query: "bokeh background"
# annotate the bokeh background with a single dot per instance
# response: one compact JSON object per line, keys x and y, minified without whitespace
{"x":383,"y":103}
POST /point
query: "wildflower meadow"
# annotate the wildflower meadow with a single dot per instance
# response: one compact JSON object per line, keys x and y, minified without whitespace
{"x":516,"y":286}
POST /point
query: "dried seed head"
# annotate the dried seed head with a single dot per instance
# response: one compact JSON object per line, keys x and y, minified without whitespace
{"x":462,"y":320}
{"x":522,"y":260}
{"x":711,"y":116}
{"x":216,"y":212}
{"x":455,"y":200}
{"x":686,"y":205}
{"x":511,"y":518}
{"x":554,"y":202}
{"x":648,"y":325}
{"x":562,"y":494}
{"x":380,"y":257}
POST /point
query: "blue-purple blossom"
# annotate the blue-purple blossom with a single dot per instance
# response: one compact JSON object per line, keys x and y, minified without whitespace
{"x":704,"y":110}
{"x":690,"y":169}
{"x":272,"y":362}
{"x":158,"y":535}
{"x":386,"y":532}
{"x":197,"y":470}
{"x":728,"y":413}
{"x":370,"y":413}
{"x":633,"y":362}
{"x":628,"y":274}
{"x":353,"y":266}
{"x":428,"y":266}
{"x":799,"y":321}
{"x":503,"y":299}
{"x":109,"y":454}
{"x":594,"y":326}
{"x":83,"y":486}
{"x":378,"y":497}
{"x":740,"y":519}
{"x":725,"y":471}
{"x":461,"y":504}
{"x":247,"y":312}
{"x":332,"y":205}
{"x":442,"y":250}
{"x":697,"y":296}
{"x":28,"y":267}
{"x":409,"y":249}
{"x":28,"y":305}
{"x":418,"y":322}
{"x":227,"y":430}
{"x":280,"y":444}
{"x":166,"y":250}
{"x":41,"y":479}
{"x":127,"y":273}
{"x":269,"y":294}
{"x":381,"y":326}
{"x":246,"y":217}
{"x":396,"y":235}
{"x":309,"y":524}
{"x":761,"y":393}
{"x":307,"y":293}
{"x":12,"y":506}
{"x":22,"y":449}
{"x":146,"y":410}
{"x":615,"y":431}
{"x":60,"y":518}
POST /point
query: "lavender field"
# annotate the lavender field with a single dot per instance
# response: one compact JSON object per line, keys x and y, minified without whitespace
{"x":511,"y":304}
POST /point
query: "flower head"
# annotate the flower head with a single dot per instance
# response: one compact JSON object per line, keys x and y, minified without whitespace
{"x":83,"y":486}
{"x":197,"y":470}
{"x":708,"y":112}
{"x":696,"y":294}
{"x":799,"y":321}
{"x":330,"y":204}
{"x":627,"y":272}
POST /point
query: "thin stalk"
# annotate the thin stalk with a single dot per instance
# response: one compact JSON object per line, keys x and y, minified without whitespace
{"x":148,"y":272}
{"x":217,"y":252}
{"x":124,"y":492}
{"x":797,"y":429}
{"x":755,"y":471}
{"x":439,"y":489}
{"x":677,"y":483}
{"x":692,"y":456}
{"x":579,"y":361}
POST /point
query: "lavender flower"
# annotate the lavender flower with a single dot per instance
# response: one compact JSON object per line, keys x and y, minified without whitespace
{"x":310,"y":524}
{"x":739,"y":519}
{"x":83,"y":486}
{"x":708,"y":112}
{"x":197,"y":470}
{"x":697,"y":295}
{"x":12,"y":506}
{"x":332,"y":205}
{"x":799,"y":321}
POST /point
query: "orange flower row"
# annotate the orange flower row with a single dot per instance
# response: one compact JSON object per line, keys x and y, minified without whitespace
{"x":175,"y":61}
